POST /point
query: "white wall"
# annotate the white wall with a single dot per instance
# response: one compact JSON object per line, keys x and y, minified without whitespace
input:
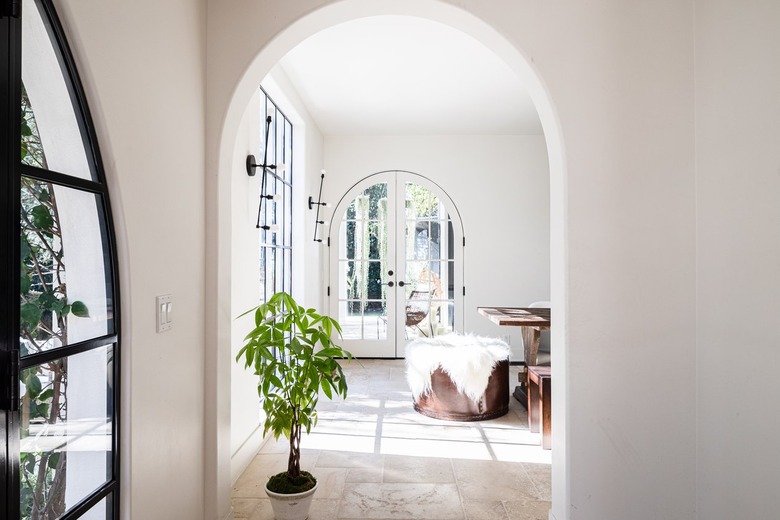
{"x":738,"y":218}
{"x":142,"y":64}
{"x":500,"y":185}
{"x":615,"y":85}
{"x":620,"y":79}
{"x":245,"y":413}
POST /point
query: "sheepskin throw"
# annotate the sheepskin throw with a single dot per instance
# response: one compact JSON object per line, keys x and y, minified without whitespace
{"x":467,"y":359}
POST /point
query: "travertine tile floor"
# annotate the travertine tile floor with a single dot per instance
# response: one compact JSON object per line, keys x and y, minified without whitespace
{"x":376,"y":458}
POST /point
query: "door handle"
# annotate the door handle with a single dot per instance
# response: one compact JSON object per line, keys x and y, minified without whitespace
{"x":390,"y":284}
{"x":401,"y":283}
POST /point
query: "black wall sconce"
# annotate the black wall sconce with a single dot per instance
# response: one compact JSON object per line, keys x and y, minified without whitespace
{"x":251,"y":165}
{"x":319,"y":204}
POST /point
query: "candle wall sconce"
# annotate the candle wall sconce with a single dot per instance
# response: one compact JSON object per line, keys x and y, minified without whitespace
{"x":319,"y":204}
{"x":252,"y":165}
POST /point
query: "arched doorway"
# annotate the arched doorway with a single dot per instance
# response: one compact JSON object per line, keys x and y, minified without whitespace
{"x":396,"y":270}
{"x":232,"y":88}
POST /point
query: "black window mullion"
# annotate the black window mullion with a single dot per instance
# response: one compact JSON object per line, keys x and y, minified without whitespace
{"x":46,"y":356}
{"x":62,"y":179}
{"x":90,"y":501}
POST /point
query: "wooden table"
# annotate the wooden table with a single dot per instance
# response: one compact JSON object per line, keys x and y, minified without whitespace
{"x":533,"y":321}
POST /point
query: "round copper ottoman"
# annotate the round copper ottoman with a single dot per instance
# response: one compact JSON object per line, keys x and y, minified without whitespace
{"x":444,"y":401}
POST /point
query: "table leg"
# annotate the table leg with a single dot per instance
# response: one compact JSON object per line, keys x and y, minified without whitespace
{"x":533,"y":404}
{"x":546,"y":388}
{"x":531,"y":338}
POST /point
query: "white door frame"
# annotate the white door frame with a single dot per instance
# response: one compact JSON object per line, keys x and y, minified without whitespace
{"x":394,"y":345}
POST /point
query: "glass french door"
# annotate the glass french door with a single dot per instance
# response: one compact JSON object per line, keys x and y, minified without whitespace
{"x":59,"y":329}
{"x":396,"y":270}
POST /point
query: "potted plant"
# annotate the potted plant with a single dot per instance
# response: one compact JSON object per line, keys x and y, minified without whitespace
{"x":291,"y":350}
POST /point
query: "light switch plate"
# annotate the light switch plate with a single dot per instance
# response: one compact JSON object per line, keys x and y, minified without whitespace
{"x":164,"y":312}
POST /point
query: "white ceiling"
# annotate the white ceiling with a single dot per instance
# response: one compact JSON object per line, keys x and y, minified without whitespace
{"x":396,"y":75}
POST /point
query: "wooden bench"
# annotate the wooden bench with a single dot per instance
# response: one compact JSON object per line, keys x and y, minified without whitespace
{"x":540,"y":403}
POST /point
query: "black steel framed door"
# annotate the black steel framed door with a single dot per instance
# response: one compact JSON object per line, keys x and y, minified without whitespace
{"x":59,"y":325}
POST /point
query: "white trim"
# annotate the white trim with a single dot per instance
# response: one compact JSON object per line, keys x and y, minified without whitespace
{"x":243,"y":456}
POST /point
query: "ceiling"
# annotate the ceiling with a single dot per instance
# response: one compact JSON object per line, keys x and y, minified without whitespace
{"x":401,"y":75}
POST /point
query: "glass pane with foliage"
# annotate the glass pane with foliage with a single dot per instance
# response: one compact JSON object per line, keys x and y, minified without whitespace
{"x":65,"y":432}
{"x":57,"y":126}
{"x":56,"y":221}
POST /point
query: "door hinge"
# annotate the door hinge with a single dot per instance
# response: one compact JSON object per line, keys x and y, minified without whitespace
{"x":464,"y":290}
{"x":464,"y":241}
{"x":14,"y":381}
{"x":14,"y":8}
{"x":12,"y":384}
{"x":329,"y":290}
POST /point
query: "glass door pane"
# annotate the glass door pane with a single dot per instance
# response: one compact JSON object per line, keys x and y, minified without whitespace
{"x":47,"y":90}
{"x":363,"y":274}
{"x":429,"y":264}
{"x":65,"y":287}
{"x":65,"y":432}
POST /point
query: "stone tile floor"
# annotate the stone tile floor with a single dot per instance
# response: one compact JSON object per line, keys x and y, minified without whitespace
{"x":376,"y":458}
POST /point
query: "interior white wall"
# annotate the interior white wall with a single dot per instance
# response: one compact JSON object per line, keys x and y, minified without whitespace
{"x":500,"y":185}
{"x":620,"y":77}
{"x":614,"y":83}
{"x":738,"y":218}
{"x":245,"y":413}
{"x":143,"y":66}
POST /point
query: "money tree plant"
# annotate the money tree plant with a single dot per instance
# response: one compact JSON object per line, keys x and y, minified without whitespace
{"x":292,"y":351}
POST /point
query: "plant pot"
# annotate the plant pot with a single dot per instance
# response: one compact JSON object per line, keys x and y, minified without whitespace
{"x":291,"y":506}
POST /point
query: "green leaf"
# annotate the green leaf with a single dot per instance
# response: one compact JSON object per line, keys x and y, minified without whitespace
{"x":326,"y":388}
{"x":30,"y":463}
{"x":47,"y":301}
{"x":30,"y":314}
{"x":41,"y":217}
{"x":79,"y":309}
{"x":41,"y":410}
{"x":25,"y":248}
{"x":25,"y":284}
{"x":54,"y":459}
{"x":33,"y":386}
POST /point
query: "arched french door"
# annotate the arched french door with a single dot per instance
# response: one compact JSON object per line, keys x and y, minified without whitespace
{"x":59,"y":329}
{"x":396,"y":264}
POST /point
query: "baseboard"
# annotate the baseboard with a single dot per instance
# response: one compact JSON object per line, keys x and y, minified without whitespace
{"x":241,"y":458}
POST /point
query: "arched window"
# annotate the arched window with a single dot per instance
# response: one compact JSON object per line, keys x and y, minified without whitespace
{"x":60,"y":338}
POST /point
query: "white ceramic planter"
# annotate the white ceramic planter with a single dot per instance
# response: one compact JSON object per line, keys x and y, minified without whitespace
{"x":291,"y":507}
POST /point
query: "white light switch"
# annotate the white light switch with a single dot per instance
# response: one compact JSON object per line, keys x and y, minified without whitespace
{"x":164,"y":312}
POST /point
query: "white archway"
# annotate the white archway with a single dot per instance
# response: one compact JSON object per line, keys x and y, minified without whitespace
{"x":223,"y":160}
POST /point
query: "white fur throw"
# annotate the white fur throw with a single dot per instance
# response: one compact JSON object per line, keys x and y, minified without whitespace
{"x":468,"y":360}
